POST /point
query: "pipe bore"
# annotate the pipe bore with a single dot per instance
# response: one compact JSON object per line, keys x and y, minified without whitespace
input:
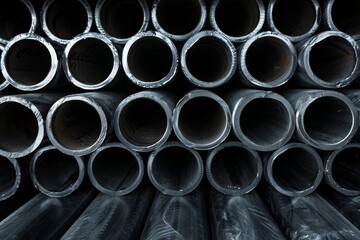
{"x":115,"y":170}
{"x":56,"y":174}
{"x":237,"y":19}
{"x":120,"y":20}
{"x":10,"y":177}
{"x":175,"y":169}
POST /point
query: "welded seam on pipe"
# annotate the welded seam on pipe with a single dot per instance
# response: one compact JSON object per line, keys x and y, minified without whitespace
{"x":18,"y":175}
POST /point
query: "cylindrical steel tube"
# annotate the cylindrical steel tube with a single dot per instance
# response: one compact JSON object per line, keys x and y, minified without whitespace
{"x":56,"y":174}
{"x":179,"y":20}
{"x":142,"y":121}
{"x":175,"y":169}
{"x":92,"y":62}
{"x":325,"y":119}
{"x":120,"y":20}
{"x":208,"y":59}
{"x":150,"y":59}
{"x":63,"y":20}
{"x":233,"y":168}
{"x":10,"y":177}
{"x":262,"y":120}
{"x":327,"y":60}
{"x":201,"y":120}
{"x":266,"y":60}
{"x":3,"y":82}
{"x":294,"y":170}
{"x":115,"y":170}
{"x":296,"y":20}
{"x":238,"y":20}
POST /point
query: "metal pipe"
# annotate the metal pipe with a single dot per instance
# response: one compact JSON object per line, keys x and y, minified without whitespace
{"x":177,"y":218}
{"x":78,"y":124}
{"x":10,"y":177}
{"x":325,"y":119}
{"x":238,"y":20}
{"x":297,"y":21}
{"x":266,"y":60}
{"x":175,"y":169}
{"x":3,"y":83}
{"x":201,"y":120}
{"x":294,"y":170}
{"x":123,"y":219}
{"x":310,"y":217}
{"x":142,"y":121}
{"x":120,"y":20}
{"x":233,"y":169}
{"x":178,"y":20}
{"x":17,"y":17}
{"x":56,"y":174}
{"x":241,"y":217}
{"x":262,"y":120}
{"x":327,"y":60}
{"x":115,"y":170}
{"x":29,"y":62}
{"x":91,"y":61}
{"x":63,"y":20}
{"x":208,"y":59}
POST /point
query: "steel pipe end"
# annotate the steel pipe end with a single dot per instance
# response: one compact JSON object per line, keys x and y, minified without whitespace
{"x":3,"y":82}
{"x":238,"y":20}
{"x":201,"y":120}
{"x":56,"y":174}
{"x":267,"y":60}
{"x":10,"y":177}
{"x":120,"y":20}
{"x":175,"y":169}
{"x":150,"y":59}
{"x":208,"y":59}
{"x":233,"y":169}
{"x":115,"y":170}
{"x":62,"y":20}
{"x":294,"y":170}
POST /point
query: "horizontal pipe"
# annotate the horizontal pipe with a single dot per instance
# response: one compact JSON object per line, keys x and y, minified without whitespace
{"x":238,"y":20}
{"x":233,"y":168}
{"x":201,"y":120}
{"x":208,"y":59}
{"x":56,"y":174}
{"x":179,"y":20}
{"x":91,"y":61}
{"x":325,"y":119}
{"x":327,"y":60}
{"x":120,"y":20}
{"x":175,"y":169}
{"x":297,"y":21}
{"x":142,"y":121}
{"x":294,"y":170}
{"x":10,"y":177}
{"x":3,"y":83}
{"x":150,"y":59}
{"x":62,"y":21}
{"x":266,"y":60}
{"x":115,"y":170}
{"x":262,"y":120}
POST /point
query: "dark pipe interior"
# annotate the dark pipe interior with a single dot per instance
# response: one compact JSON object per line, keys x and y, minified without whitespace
{"x":345,"y":15}
{"x":7,"y":175}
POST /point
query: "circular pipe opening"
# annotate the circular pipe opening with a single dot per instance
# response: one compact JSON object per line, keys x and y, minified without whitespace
{"x":9,"y":177}
{"x":3,"y":82}
{"x":345,"y":16}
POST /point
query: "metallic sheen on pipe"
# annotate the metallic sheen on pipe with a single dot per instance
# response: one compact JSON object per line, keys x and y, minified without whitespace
{"x":10,"y":177}
{"x":3,"y":82}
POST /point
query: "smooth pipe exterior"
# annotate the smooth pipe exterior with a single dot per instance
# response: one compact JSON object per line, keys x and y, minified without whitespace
{"x":294,"y":170}
{"x":208,"y":59}
{"x":3,"y":83}
{"x":179,"y":20}
{"x":233,"y":169}
{"x":296,"y":20}
{"x":177,"y":218}
{"x":266,"y":60}
{"x":142,"y":121}
{"x":238,"y":20}
{"x":327,"y":60}
{"x":120,"y":20}
{"x":325,"y":119}
{"x":115,"y":170}
{"x":56,"y":174}
{"x":91,"y":61}
{"x":175,"y":169}
{"x":201,"y":120}
{"x":262,"y":120}
{"x":63,"y":20}
{"x":150,"y":59}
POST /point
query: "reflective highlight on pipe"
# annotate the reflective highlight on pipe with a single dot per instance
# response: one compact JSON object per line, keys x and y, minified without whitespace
{"x":3,"y":82}
{"x":10,"y":177}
